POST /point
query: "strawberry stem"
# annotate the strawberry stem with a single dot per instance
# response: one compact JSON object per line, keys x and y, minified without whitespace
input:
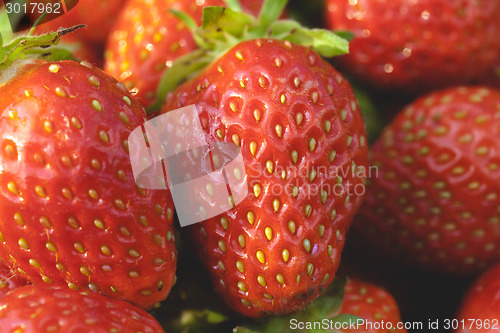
{"x":31,"y":46}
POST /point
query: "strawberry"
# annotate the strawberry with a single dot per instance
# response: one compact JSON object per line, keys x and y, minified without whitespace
{"x":9,"y":280}
{"x":71,"y":212}
{"x":52,"y":309}
{"x":374,"y":305}
{"x":479,"y":311}
{"x":434,"y":196}
{"x":147,"y":38}
{"x":418,"y":45}
{"x":98,"y":16}
{"x":296,"y":122}
{"x":347,"y":307}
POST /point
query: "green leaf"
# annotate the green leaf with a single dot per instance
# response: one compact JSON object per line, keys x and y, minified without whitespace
{"x":181,"y":69}
{"x":271,"y":11}
{"x":217,"y":21}
{"x":326,"y":43}
{"x":344,"y":318}
{"x":234,"y":5}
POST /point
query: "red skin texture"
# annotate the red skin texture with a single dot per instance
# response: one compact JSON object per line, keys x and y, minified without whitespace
{"x":262,"y":75}
{"x":371,"y":303}
{"x":418,"y":45}
{"x":147,"y":36}
{"x":9,"y":280}
{"x":435,"y":199}
{"x":49,"y":309}
{"x":71,"y":213}
{"x":98,"y":16}
{"x":482,"y":302}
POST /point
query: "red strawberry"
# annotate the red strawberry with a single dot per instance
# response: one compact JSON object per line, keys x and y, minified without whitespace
{"x":435,"y":196}
{"x":147,"y":38}
{"x":9,"y":280}
{"x":480,"y":308}
{"x":374,"y":305}
{"x":49,"y":309}
{"x":297,"y":122}
{"x":98,"y":16}
{"x":71,"y":212}
{"x":418,"y":45}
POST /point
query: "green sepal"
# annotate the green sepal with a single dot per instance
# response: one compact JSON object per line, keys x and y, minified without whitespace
{"x":271,"y":11}
{"x":234,"y":5}
{"x":30,"y":46}
{"x":219,"y":21}
{"x":325,"y":42}
{"x":325,"y":307}
{"x":180,"y":71}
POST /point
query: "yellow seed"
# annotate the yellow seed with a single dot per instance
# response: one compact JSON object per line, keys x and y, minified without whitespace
{"x":67,"y":193}
{"x":224,"y":223}
{"x":119,"y":204}
{"x":106,"y":250}
{"x":40,"y":191}
{"x":76,"y":122}
{"x":51,"y":246}
{"x":242,"y":241}
{"x":269,"y":233}
{"x":260,"y":256}
{"x":310,"y":269}
{"x":242,"y":286}
{"x":84,"y":270}
{"x":133,"y":253}
{"x":103,"y":136}
{"x":222,"y":246}
{"x":349,"y":140}
{"x":269,"y":166}
{"x":276,"y":205}
{"x":253,"y":147}
{"x":47,"y":125}
{"x":291,"y":227}
{"x":312,"y":144}
{"x":240,"y":266}
{"x":95,"y":164}
{"x":23,"y":243}
{"x":73,"y":223}
{"x":236,"y":139}
{"x":307,"y":245}
{"x":19,"y":219}
{"x":54,"y":68}
{"x":299,"y":117}
{"x":321,"y":230}
{"x":12,"y":187}
{"x":79,"y":247}
{"x":93,"y":194}
{"x":34,"y":262}
{"x":60,"y":92}
{"x":285,"y":254}
{"x":331,"y":156}
{"x":98,"y":224}
{"x":279,"y":130}
{"x":312,"y":175}
{"x":261,"y":280}
{"x":256,"y":115}
{"x":127,"y":100}
{"x":133,"y":274}
{"x":307,"y":210}
{"x":268,"y":296}
{"x":96,"y":105}
{"x":296,"y":81}
{"x":280,"y":278}
{"x":257,"y":190}
{"x":327,"y":125}
{"x":233,"y":106}
{"x":251,"y":217}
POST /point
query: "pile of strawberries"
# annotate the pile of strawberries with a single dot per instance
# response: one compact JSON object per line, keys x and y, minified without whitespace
{"x":86,"y":248}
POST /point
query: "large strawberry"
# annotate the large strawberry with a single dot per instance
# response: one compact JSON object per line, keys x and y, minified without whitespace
{"x":434,"y":196}
{"x":303,"y":144}
{"x":479,"y":311}
{"x":147,"y":38}
{"x":347,"y":307}
{"x":418,"y":45}
{"x":71,"y":212}
{"x":52,"y":309}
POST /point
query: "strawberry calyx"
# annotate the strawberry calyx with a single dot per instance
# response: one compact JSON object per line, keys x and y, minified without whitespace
{"x":224,"y":27}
